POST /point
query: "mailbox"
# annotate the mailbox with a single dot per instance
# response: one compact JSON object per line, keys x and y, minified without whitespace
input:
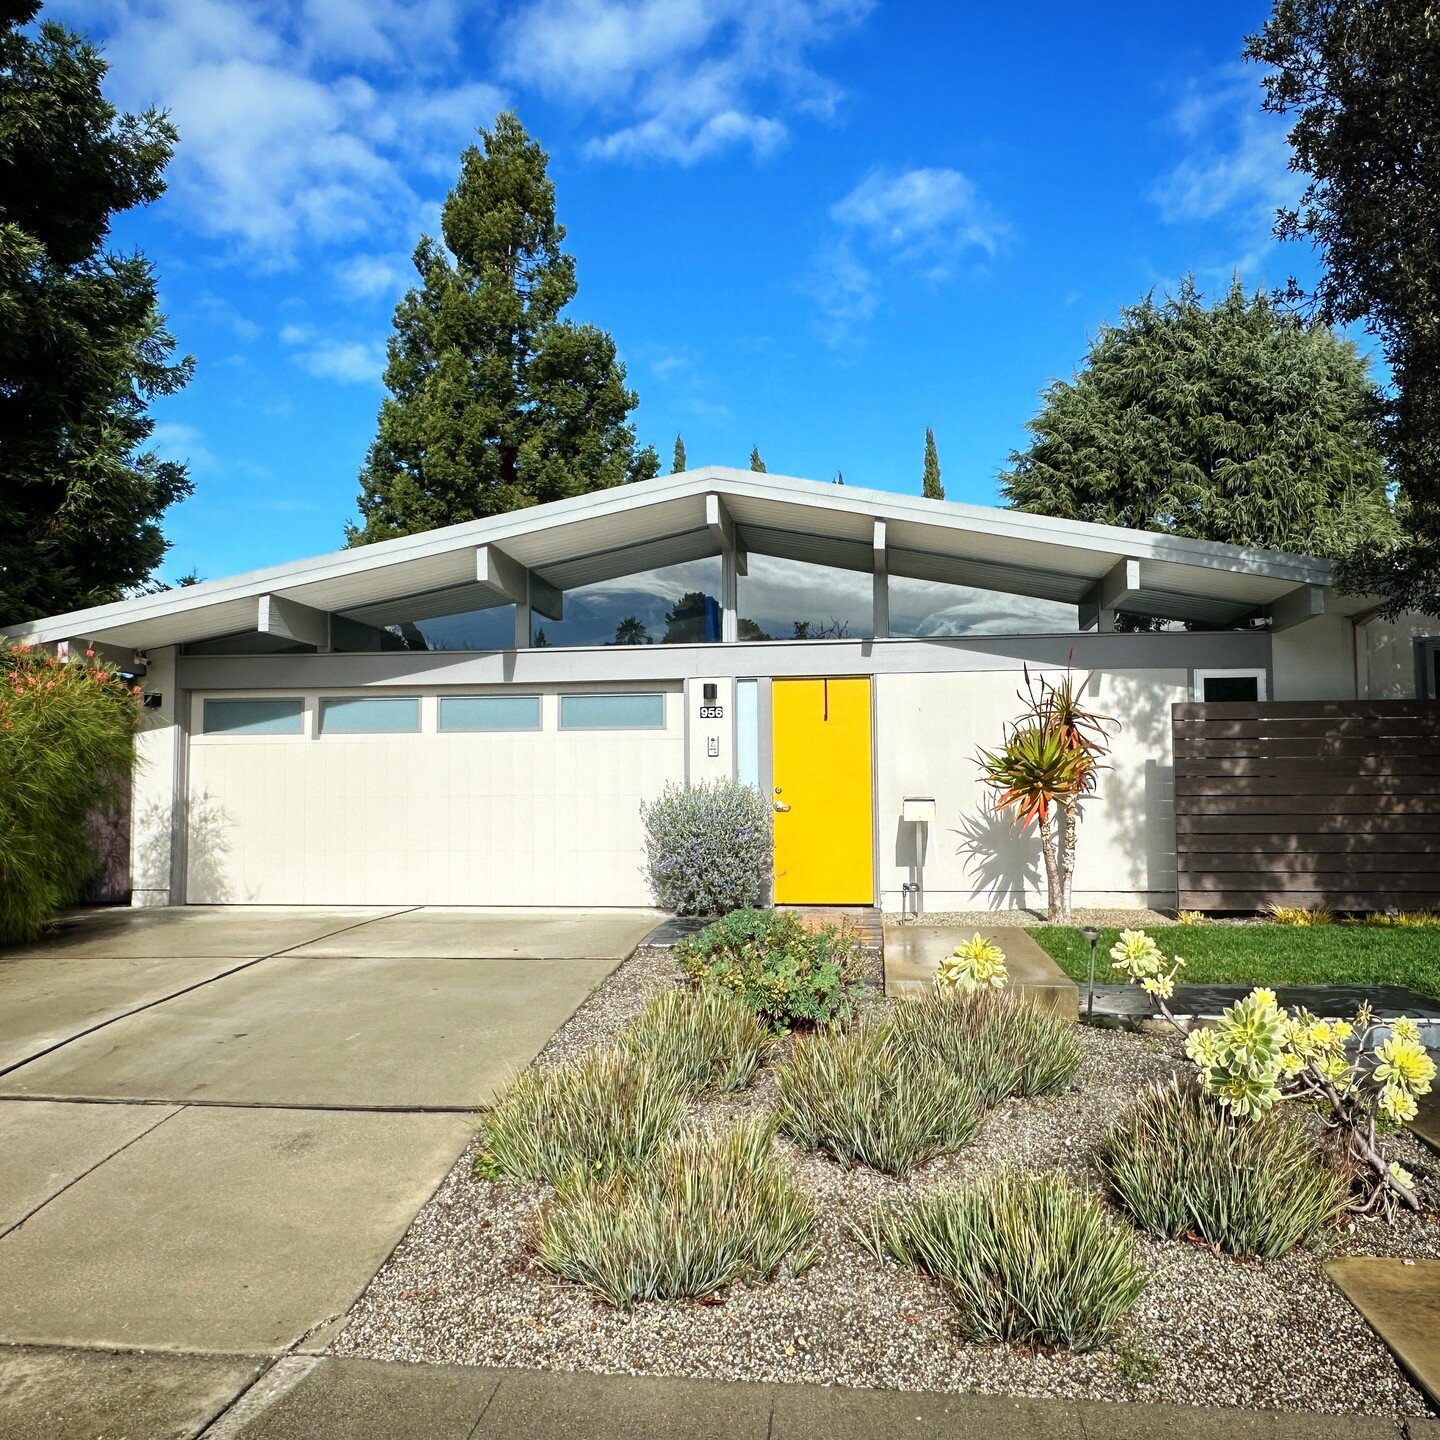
{"x":918,"y":809}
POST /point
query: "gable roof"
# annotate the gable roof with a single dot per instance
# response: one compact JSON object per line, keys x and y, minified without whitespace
{"x":673,"y":518}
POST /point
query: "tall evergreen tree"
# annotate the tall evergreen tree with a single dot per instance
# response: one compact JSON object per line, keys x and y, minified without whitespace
{"x":1361,"y":80}
{"x":83,"y":346}
{"x":930,"y":487}
{"x":1232,"y":422}
{"x":677,"y":463}
{"x":495,"y":402}
{"x":756,"y":463}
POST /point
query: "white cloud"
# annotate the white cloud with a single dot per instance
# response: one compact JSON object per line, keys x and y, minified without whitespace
{"x":300,"y":122}
{"x":912,"y":224}
{"x":368,"y":276}
{"x":328,"y":357}
{"x":1234,"y":174}
{"x":918,"y":212}
{"x":686,"y":79}
{"x":184,"y":444}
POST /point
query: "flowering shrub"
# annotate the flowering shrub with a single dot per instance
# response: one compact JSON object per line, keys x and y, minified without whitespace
{"x":66,"y":751}
{"x":707,"y":847}
{"x":976,"y":964}
{"x":787,"y":974}
{"x":1259,"y":1054}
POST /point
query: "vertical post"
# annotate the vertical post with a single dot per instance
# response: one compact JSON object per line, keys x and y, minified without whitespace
{"x":523,"y":618}
{"x":880,"y":598}
{"x":729,"y":594}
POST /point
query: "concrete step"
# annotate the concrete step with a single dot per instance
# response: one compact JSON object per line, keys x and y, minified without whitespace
{"x":1401,"y":1300}
{"x":912,"y":953}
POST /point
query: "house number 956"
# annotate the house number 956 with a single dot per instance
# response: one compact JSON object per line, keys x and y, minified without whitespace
{"x":712,"y":712}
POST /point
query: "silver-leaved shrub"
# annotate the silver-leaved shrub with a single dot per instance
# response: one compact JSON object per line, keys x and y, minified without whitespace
{"x":708,"y":847}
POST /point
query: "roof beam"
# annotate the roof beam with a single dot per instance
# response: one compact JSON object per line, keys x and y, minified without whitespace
{"x":721,"y":526}
{"x":1109,"y":594}
{"x":1294,"y":607}
{"x":122,"y":657}
{"x":290,"y":620}
{"x":519,"y":584}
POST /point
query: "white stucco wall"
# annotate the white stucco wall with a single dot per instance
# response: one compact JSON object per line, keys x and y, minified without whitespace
{"x":1386,"y":654}
{"x":929,"y":728}
{"x":1314,"y":660}
{"x":510,"y":818}
{"x":157,"y":750}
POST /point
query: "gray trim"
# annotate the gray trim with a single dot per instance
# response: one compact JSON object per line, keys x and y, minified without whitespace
{"x":611,"y":664}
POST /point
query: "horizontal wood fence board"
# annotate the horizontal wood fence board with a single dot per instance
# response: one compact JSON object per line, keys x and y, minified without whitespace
{"x":1332,"y":803}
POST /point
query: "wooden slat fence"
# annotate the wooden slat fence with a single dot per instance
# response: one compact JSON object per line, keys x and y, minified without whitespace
{"x":1308,"y":803}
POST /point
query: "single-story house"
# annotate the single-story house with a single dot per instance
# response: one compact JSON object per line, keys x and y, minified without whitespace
{"x":474,"y":716}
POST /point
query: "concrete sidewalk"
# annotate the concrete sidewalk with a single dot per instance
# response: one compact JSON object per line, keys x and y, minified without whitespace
{"x":70,"y":1396}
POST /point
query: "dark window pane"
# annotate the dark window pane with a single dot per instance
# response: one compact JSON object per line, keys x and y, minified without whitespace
{"x":1232,"y":687}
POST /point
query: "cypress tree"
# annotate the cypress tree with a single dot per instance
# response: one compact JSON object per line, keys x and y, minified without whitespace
{"x":931,"y":488}
{"x":677,"y":464}
{"x":83,"y":346}
{"x":495,"y":402}
{"x":756,"y":463}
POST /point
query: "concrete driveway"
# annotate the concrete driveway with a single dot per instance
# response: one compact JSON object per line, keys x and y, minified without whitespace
{"x":217,"y":1122}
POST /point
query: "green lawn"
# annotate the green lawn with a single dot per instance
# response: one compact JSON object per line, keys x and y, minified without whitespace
{"x":1272,"y":954}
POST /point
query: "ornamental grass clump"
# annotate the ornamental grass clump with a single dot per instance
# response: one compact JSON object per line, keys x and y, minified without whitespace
{"x":1022,"y":1258}
{"x":706,"y":1038}
{"x":1003,"y":1045}
{"x":1259,"y":1054}
{"x":1183,"y":1166}
{"x":594,"y":1116}
{"x":67,"y":749}
{"x":864,"y":1097}
{"x":706,"y":1211}
{"x":708,"y":847}
{"x":787,"y":973}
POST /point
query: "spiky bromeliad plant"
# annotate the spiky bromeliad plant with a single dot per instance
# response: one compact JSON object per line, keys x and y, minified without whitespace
{"x":1045,"y":770}
{"x":1260,"y":1054}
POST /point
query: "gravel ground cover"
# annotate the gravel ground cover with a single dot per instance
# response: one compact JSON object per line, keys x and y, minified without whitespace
{"x":464,"y":1285}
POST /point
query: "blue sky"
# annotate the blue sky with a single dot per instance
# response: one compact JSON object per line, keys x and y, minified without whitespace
{"x":813,"y":225}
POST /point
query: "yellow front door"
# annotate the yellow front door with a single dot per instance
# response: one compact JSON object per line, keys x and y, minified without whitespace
{"x":824,"y":819}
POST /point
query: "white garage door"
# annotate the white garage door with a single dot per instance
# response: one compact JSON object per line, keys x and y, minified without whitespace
{"x":440,"y":798}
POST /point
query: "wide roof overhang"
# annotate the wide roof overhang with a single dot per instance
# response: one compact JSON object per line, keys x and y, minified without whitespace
{"x":548,"y":549}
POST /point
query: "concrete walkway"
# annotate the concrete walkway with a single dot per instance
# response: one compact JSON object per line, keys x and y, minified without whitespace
{"x":217,"y":1123}
{"x":302,"y":1398}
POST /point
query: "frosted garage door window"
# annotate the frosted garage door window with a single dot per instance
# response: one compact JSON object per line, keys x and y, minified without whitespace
{"x":489,"y":712}
{"x":254,"y":717}
{"x":370,"y":715}
{"x":612,"y":712}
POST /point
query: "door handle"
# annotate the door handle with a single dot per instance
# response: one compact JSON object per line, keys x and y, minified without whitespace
{"x":780,"y":807}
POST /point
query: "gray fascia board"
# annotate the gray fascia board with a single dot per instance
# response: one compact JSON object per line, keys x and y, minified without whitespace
{"x":975,"y":520}
{"x":1123,"y":652}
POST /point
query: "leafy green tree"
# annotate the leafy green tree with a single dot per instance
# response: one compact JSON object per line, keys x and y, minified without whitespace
{"x":930,"y":487}
{"x":83,"y":346}
{"x":677,"y":463}
{"x":1233,"y":422}
{"x":1362,"y":81}
{"x":756,"y":463}
{"x":495,"y":402}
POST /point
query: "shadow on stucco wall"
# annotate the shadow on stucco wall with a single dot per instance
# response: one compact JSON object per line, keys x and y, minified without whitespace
{"x":1002,"y":861}
{"x":207,"y":878}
